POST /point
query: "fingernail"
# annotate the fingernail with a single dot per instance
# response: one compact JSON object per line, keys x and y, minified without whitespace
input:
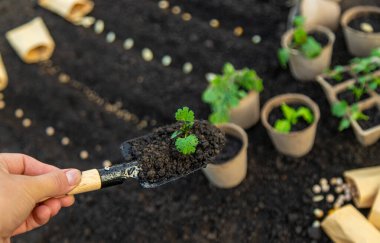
{"x":73,"y":177}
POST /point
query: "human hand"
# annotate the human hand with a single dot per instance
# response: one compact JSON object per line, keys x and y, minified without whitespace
{"x":24,"y":183}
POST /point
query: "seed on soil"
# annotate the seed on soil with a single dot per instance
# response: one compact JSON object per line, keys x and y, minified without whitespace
{"x":83,"y":154}
{"x":187,"y":67}
{"x":339,"y":181}
{"x":65,"y":141}
{"x":318,"y":198}
{"x":50,"y":131}
{"x":333,"y":181}
{"x":26,"y":122}
{"x":214,"y":23}
{"x":176,"y":10}
{"x":339,"y":202}
{"x":256,"y":39}
{"x":323,"y":181}
{"x":107,"y":163}
{"x":166,"y":60}
{"x":128,"y":44}
{"x":325,"y":188}
{"x":316,"y":224}
{"x":111,"y":36}
{"x":318,"y":213}
{"x":330,"y":198}
{"x":63,"y":78}
{"x":87,"y":21}
{"x":19,"y":113}
{"x":317,"y":189}
{"x":163,"y":4}
{"x":186,"y":16}
{"x":2,"y":104}
{"x":238,"y":31}
{"x":147,"y":54}
{"x":366,"y":27}
{"x":99,"y":26}
{"x":338,"y":189}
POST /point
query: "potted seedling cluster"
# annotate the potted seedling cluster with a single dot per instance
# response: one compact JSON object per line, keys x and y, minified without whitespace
{"x":307,"y":49}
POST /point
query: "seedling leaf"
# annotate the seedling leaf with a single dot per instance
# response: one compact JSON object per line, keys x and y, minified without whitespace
{"x":306,"y":114}
{"x":187,"y":145}
{"x":282,"y":126}
{"x":184,"y":115}
{"x":311,"y":48}
{"x":344,"y":124}
{"x":339,"y":109}
{"x":289,"y":113}
{"x":283,"y":57}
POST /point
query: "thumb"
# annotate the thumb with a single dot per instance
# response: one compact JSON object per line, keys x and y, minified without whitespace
{"x":53,"y":184}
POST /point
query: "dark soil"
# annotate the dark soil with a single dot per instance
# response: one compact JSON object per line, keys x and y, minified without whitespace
{"x":372,"y":18}
{"x":161,"y":161}
{"x":350,"y":97}
{"x":374,"y":118}
{"x":277,"y":114}
{"x":230,"y":150}
{"x":346,"y":76}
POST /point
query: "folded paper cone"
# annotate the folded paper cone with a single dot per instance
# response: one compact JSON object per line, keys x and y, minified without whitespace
{"x":374,"y":215}
{"x":365,"y":183}
{"x":3,"y":75}
{"x":348,"y":225}
{"x":71,"y":10}
{"x":32,"y":41}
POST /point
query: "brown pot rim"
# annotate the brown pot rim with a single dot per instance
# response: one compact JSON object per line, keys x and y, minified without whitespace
{"x":354,"y":12}
{"x":287,"y":37}
{"x":296,"y":98}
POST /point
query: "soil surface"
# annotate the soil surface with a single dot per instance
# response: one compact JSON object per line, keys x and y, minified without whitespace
{"x":277,"y":114}
{"x":372,"y":18}
{"x":160,"y":160}
{"x":349,"y":96}
{"x":320,"y":37}
{"x":374,"y":118}
{"x":273,"y":204}
{"x":345,"y":77}
{"x":230,"y":150}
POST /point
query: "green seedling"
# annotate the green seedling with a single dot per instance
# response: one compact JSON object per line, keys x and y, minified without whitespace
{"x":336,"y":73}
{"x":342,"y":110}
{"x":291,"y":118}
{"x":358,"y":89}
{"x":186,"y":143}
{"x":306,"y":44}
{"x":227,"y":89}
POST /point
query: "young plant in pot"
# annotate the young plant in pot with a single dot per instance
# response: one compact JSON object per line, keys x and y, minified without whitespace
{"x":234,"y":96}
{"x":291,"y":122}
{"x":361,"y":27}
{"x":307,"y":50}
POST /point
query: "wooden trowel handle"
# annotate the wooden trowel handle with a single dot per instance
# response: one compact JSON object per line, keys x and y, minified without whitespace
{"x":90,"y":181}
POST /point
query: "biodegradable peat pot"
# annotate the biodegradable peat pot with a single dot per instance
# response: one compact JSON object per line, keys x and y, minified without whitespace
{"x":232,"y":172}
{"x":3,"y":75}
{"x":321,"y":12}
{"x":359,"y":43}
{"x":301,"y":67}
{"x":298,"y":143}
{"x":71,"y":10}
{"x":374,"y":215}
{"x":32,"y":41}
{"x":247,"y":113}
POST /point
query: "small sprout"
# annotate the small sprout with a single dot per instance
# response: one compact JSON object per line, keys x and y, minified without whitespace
{"x":336,"y":73}
{"x":185,"y":143}
{"x":291,"y":117}
{"x":342,"y":110}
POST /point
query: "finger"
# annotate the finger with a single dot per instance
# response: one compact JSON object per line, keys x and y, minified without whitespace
{"x":54,"y":205}
{"x":24,"y":165}
{"x":67,"y":201}
{"x":39,"y":216}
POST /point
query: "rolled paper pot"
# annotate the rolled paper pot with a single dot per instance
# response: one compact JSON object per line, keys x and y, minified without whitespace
{"x":71,"y":10}
{"x":3,"y":75}
{"x":348,"y":225}
{"x":365,"y":184}
{"x":247,"y":113}
{"x":32,"y":41}
{"x":374,"y":215}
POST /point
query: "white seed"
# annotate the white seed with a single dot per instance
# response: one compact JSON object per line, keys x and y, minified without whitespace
{"x":339,"y":181}
{"x":318,"y":198}
{"x":187,"y":67}
{"x":128,"y":44}
{"x":19,"y":113}
{"x":325,"y":188}
{"x":238,"y":31}
{"x":186,"y":17}
{"x":256,"y":39}
{"x":333,"y":181}
{"x":318,"y":213}
{"x":317,"y":189}
{"x":111,"y":37}
{"x":83,"y":154}
{"x":338,"y":189}
{"x":107,"y":163}
{"x":163,"y":4}
{"x":366,"y":27}
{"x":63,"y":78}
{"x":210,"y":76}
{"x":214,"y":23}
{"x":330,"y":198}
{"x":166,"y":60}
{"x":50,"y":131}
{"x":176,"y":10}
{"x":2,"y":104}
{"x":99,"y":26}
{"x":87,"y":21}
{"x":147,"y":54}
{"x":65,"y":141}
{"x":316,"y":224}
{"x":323,"y":181}
{"x":339,"y":202}
{"x":26,"y":122}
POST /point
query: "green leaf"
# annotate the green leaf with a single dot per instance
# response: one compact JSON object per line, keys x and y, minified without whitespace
{"x":311,"y":48}
{"x":210,"y":95}
{"x":373,"y":85}
{"x":228,"y":68}
{"x":344,"y":124}
{"x":306,"y":114}
{"x":219,"y":117}
{"x":339,"y":109}
{"x":282,"y":126}
{"x":299,"y":21}
{"x":357,"y":115}
{"x":283,"y":57}
{"x":375,"y":52}
{"x":185,"y":115}
{"x":290,"y":114}
{"x":187,"y":145}
{"x":176,"y":134}
{"x":300,"y":36}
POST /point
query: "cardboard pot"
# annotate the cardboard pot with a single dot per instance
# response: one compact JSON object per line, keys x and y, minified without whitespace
{"x":321,"y":12}
{"x":374,"y":215}
{"x":359,"y":43}
{"x":365,"y":184}
{"x":230,"y":173}
{"x":303,"y":68}
{"x":248,"y":112}
{"x":3,"y":75}
{"x":32,"y":41}
{"x":71,"y":10}
{"x":295,"y":144}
